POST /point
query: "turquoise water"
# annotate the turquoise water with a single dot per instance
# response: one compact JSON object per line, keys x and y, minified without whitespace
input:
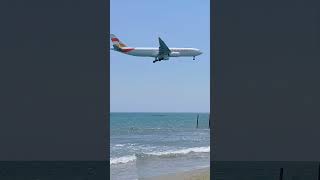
{"x":150,"y":144}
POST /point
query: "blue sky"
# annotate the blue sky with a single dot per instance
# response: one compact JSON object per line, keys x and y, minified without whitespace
{"x":177,"y":85}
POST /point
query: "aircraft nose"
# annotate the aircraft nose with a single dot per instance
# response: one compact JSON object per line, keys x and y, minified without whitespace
{"x":199,"y":52}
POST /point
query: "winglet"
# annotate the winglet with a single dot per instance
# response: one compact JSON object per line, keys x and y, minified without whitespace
{"x":160,"y":40}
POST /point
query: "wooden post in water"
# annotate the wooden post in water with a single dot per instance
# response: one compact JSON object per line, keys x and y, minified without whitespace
{"x":209,"y":121}
{"x":197,"y":120}
{"x":281,"y":174}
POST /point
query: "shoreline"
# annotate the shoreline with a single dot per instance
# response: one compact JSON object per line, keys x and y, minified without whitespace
{"x":197,"y":174}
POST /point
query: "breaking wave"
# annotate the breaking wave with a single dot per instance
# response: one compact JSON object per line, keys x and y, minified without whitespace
{"x":123,"y":159}
{"x":160,"y":154}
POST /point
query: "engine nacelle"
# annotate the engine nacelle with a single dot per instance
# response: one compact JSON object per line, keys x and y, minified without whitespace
{"x":174,"y":54}
{"x":163,"y":58}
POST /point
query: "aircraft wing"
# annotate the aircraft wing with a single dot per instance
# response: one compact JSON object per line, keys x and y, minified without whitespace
{"x":163,"y":48}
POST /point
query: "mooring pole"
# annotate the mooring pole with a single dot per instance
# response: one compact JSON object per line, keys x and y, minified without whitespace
{"x":281,"y":174}
{"x":209,"y":121}
{"x":197,"y":120}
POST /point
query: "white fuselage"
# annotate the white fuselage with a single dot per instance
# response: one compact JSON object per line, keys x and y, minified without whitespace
{"x":154,"y":52}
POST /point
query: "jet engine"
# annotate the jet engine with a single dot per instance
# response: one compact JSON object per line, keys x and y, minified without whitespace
{"x":166,"y":58}
{"x":163,"y":58}
{"x":174,"y":54}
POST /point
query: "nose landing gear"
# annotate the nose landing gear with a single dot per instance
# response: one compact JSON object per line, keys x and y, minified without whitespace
{"x":194,"y":58}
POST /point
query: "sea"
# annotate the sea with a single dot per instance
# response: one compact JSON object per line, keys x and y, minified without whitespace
{"x":144,"y":145}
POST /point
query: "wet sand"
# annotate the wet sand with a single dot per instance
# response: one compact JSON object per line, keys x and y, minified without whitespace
{"x":199,"y":174}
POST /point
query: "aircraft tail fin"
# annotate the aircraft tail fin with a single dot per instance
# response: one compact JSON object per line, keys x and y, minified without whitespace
{"x":116,"y":42}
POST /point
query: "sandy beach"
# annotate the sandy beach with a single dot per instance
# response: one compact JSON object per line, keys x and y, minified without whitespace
{"x":199,"y":174}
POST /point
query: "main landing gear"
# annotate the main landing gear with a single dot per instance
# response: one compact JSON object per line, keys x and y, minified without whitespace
{"x":194,"y":58}
{"x":156,"y":59}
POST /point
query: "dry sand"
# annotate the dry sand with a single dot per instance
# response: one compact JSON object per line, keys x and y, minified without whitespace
{"x":199,"y":174}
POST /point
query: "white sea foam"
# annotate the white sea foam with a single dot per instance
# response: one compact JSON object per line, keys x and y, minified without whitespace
{"x":123,"y":159}
{"x":119,"y":145}
{"x":183,"y":151}
{"x":174,"y":153}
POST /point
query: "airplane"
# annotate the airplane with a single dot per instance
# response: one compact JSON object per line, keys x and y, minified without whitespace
{"x":161,"y":53}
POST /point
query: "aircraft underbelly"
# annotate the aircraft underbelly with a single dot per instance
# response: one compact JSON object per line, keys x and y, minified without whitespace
{"x":143,"y":53}
{"x":183,"y":53}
